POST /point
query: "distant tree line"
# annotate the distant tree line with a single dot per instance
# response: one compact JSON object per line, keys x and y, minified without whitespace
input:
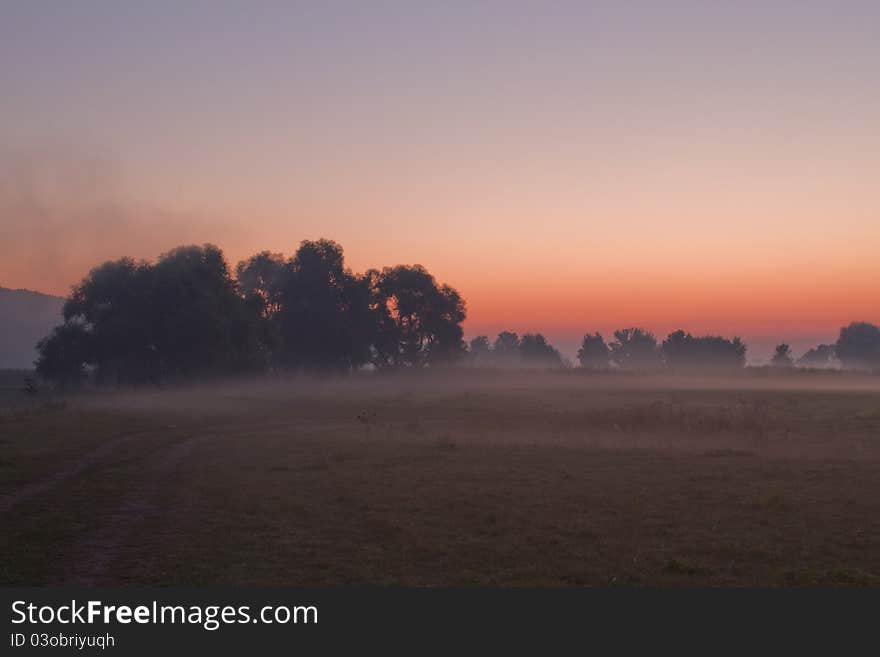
{"x":858,"y":347}
{"x":631,"y":349}
{"x":187,"y":315}
{"x":509,"y":349}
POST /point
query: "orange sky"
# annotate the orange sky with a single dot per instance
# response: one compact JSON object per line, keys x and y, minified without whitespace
{"x":586,"y":166}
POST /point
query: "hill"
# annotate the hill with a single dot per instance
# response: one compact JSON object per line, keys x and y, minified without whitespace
{"x":25,"y":318}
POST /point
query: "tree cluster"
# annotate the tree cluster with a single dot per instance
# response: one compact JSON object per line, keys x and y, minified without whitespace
{"x":187,"y":316}
{"x":857,"y":347}
{"x":638,"y":349}
{"x":509,"y":349}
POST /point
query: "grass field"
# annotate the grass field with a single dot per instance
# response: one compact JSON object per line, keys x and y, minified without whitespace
{"x":469,"y":478}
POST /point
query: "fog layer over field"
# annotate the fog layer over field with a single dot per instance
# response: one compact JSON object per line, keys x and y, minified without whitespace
{"x":760,"y":410}
{"x":455,"y":477}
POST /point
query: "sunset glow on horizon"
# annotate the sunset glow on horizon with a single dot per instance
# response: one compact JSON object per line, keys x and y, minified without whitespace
{"x":580,"y":167}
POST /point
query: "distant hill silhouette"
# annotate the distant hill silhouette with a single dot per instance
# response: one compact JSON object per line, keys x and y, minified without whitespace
{"x":25,"y":318}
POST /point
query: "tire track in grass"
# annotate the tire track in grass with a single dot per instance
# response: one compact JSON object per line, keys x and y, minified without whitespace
{"x":87,"y":461}
{"x":100,"y":548}
{"x":46,"y":484}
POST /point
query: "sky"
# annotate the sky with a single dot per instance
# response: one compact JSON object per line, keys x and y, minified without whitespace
{"x":567,"y":166}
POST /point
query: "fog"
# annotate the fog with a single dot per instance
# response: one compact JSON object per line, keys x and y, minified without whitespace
{"x":451,"y":477}
{"x":234,"y":395}
{"x":67,"y":208}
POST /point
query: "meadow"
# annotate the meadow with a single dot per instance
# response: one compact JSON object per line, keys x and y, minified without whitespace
{"x":465,"y":477}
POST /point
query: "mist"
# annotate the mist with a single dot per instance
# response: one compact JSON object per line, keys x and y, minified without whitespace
{"x":65,"y":209}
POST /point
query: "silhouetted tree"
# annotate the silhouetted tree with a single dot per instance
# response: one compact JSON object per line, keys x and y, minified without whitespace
{"x":114,"y":304}
{"x":480,"y":350}
{"x":593,"y":353}
{"x":535,"y":350}
{"x":201,"y":323}
{"x":263,"y":276}
{"x":859,"y":345}
{"x":65,"y":354}
{"x":261,"y":280}
{"x":324,"y":313}
{"x":782,"y":356}
{"x":506,"y":346}
{"x":683,"y":351}
{"x":418,"y":322}
{"x":820,"y":356}
{"x":135,"y":322}
{"x":635,"y":349}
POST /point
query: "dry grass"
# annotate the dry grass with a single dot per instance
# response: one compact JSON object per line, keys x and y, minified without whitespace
{"x":487,"y":478}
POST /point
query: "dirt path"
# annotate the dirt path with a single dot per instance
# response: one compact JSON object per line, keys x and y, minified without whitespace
{"x":44,"y":485}
{"x":99,"y":549}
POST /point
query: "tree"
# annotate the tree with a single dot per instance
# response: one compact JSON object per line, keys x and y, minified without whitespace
{"x":535,"y":350}
{"x":683,"y":351}
{"x":480,"y":349}
{"x":635,"y":349}
{"x":418,"y":322}
{"x":261,"y":279}
{"x":820,"y":356}
{"x":506,"y":346}
{"x":593,"y":353}
{"x":859,"y":345}
{"x":262,"y":276}
{"x":324,"y":311}
{"x":114,"y":305}
{"x":782,"y":356}
{"x":134,"y":322}
{"x":201,"y":326}
{"x":64,"y":355}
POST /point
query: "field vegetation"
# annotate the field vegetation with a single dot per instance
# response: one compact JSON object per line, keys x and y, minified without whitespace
{"x":463,"y":477}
